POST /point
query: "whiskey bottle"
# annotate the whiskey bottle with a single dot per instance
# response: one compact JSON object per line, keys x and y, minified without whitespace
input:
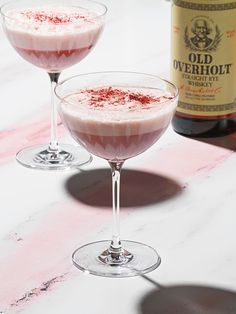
{"x":203,"y":66}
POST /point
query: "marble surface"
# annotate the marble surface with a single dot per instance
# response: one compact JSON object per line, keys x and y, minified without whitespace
{"x":178,"y":197}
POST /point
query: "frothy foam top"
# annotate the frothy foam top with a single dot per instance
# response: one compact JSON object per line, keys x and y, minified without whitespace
{"x":118,"y":109}
{"x":50,"y":18}
{"x":116,"y":102}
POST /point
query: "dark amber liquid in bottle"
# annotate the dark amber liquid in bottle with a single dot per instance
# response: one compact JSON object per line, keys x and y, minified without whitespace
{"x":203,"y":66}
{"x":194,"y":127}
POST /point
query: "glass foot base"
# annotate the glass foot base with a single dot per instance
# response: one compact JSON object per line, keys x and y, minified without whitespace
{"x":138,"y":259}
{"x":41,"y":157}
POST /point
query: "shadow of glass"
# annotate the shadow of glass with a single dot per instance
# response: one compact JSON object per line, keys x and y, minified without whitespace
{"x":138,"y":188}
{"x":189,"y":300}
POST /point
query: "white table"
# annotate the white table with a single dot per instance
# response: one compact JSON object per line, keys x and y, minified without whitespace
{"x":178,"y":197}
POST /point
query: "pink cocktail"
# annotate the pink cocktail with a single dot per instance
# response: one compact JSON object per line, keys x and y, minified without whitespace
{"x":117,"y":123}
{"x":116,"y":116}
{"x":53,"y":35}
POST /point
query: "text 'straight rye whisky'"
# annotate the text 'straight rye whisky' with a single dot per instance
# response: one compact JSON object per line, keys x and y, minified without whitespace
{"x":203,"y":65}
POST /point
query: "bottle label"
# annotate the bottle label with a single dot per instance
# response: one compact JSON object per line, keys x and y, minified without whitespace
{"x":204,"y":55}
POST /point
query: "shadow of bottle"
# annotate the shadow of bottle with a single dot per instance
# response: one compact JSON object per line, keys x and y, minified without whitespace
{"x":189,"y":299}
{"x":227,"y":141}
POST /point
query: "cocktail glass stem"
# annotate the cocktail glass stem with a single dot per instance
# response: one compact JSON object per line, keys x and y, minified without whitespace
{"x":115,"y":254}
{"x":53,"y":154}
{"x":54,"y":77}
{"x":116,"y":172}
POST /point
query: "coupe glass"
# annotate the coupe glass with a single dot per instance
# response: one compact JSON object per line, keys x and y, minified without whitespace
{"x":53,"y":35}
{"x":116,"y":116}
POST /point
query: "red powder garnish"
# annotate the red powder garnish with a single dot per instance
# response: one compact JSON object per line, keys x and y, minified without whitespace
{"x":120,"y":97}
{"x":52,"y":17}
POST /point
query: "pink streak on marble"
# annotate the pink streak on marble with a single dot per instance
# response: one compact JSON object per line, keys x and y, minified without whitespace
{"x":187,"y":158}
{"x":19,"y":304}
{"x":26,"y":134}
{"x":41,"y":249}
{"x":39,"y":253}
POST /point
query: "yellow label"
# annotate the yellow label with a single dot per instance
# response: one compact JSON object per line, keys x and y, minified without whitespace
{"x":203,"y":56}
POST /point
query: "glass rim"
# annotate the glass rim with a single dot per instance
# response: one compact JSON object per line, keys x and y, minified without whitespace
{"x":60,"y":84}
{"x":4,"y":15}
